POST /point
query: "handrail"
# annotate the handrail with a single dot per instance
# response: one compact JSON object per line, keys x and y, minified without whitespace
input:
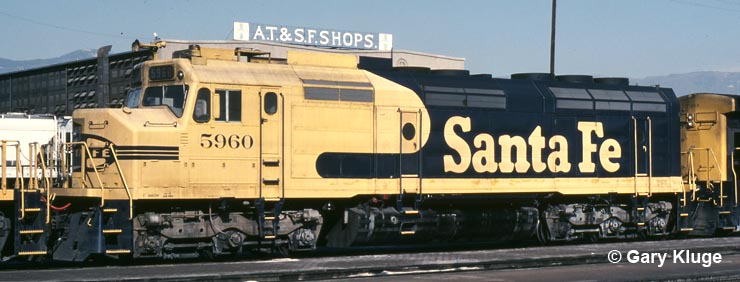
{"x":4,"y":160}
{"x":650,"y":158}
{"x":163,"y":124}
{"x":710,"y":152}
{"x":692,"y":178}
{"x":734,"y":173}
{"x":123,"y":180}
{"x":94,"y":167}
{"x":634,"y":137}
{"x":47,"y":181}
{"x":32,"y":166}
{"x":18,"y":168}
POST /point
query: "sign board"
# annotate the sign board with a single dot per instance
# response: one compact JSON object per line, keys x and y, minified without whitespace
{"x":312,"y":36}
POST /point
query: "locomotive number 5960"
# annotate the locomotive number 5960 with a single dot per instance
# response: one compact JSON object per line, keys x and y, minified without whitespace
{"x":233,"y":141}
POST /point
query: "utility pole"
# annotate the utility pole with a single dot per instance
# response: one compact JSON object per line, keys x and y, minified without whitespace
{"x":552,"y":40}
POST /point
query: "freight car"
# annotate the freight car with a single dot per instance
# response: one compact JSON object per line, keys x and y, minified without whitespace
{"x":219,"y":152}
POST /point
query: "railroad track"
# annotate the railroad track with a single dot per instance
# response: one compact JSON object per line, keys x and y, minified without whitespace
{"x":329,"y":265}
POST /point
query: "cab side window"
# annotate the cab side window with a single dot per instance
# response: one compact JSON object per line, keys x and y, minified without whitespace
{"x":230,"y":104}
{"x":202,"y":111}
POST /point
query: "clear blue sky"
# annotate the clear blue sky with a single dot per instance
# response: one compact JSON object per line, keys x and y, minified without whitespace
{"x":633,"y":38}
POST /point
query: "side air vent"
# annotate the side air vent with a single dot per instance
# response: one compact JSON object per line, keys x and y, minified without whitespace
{"x":532,"y":76}
{"x":621,"y":81}
{"x":574,"y":78}
{"x":451,"y":72}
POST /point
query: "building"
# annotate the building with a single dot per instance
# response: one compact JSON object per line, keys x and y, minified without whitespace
{"x":103,"y":81}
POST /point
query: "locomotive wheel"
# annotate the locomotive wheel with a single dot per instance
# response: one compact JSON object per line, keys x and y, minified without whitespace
{"x":543,"y":235}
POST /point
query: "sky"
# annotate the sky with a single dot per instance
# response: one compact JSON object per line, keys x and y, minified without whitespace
{"x":628,"y":38}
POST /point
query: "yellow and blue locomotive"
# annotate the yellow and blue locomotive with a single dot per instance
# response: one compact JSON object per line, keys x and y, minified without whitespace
{"x":219,"y":152}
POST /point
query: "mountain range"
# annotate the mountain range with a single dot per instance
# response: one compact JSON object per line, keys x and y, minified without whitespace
{"x":7,"y":65}
{"x":682,"y":83}
{"x":696,"y":82}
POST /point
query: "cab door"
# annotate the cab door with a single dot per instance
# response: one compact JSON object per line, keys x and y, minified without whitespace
{"x":272,"y":145}
{"x":222,"y":158}
{"x":410,"y":151}
{"x":643,"y":154}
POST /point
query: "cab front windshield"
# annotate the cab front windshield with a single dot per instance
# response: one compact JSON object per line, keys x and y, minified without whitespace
{"x":172,"y":96}
{"x":132,"y":98}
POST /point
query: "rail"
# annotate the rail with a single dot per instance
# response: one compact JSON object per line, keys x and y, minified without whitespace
{"x":123,"y":181}
{"x":84,"y":168}
{"x":4,"y":144}
{"x":734,"y":173}
{"x":39,"y":155}
{"x":709,"y":158}
{"x":691,"y":181}
{"x":35,"y":158}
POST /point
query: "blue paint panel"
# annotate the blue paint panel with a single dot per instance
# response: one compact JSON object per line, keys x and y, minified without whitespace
{"x":528,"y":104}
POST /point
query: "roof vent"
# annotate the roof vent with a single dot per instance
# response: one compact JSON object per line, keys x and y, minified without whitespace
{"x":483,"y":75}
{"x":621,"y":81}
{"x":420,"y":70}
{"x":450,"y":72}
{"x":575,"y":78}
{"x":532,"y":76}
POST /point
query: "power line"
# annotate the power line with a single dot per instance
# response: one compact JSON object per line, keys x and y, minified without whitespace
{"x":704,"y":5}
{"x":66,"y":28}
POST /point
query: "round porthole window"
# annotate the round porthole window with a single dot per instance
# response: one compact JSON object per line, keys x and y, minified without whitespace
{"x":408,"y":131}
{"x":271,"y":103}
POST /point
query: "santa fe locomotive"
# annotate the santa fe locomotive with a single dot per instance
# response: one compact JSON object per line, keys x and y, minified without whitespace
{"x":219,"y":152}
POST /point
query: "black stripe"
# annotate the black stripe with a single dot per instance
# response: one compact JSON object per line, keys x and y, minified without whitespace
{"x":148,"y":158}
{"x":148,"y":148}
{"x":126,"y":153}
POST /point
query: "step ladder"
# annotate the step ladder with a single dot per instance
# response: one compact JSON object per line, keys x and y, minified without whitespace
{"x":116,"y":229}
{"x":684,"y":222}
{"x":726,"y":224}
{"x":268,"y":217}
{"x":31,"y":222}
{"x":639,"y":210}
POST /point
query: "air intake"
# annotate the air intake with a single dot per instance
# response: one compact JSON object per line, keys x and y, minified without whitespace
{"x":532,"y":76}
{"x":621,"y":81}
{"x":449,"y":72}
{"x":482,"y":75}
{"x":422,"y":70}
{"x":575,"y":78}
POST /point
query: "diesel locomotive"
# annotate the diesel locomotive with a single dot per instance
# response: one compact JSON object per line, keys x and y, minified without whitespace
{"x":219,"y":152}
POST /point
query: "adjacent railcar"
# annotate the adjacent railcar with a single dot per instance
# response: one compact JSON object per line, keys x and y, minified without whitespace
{"x":217,"y":152}
{"x":710,"y":142}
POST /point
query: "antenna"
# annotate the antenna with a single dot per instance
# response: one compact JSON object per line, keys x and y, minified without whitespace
{"x":552,"y":40}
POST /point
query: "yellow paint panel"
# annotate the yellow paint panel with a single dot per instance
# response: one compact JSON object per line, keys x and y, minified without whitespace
{"x":322,"y":59}
{"x":706,"y":141}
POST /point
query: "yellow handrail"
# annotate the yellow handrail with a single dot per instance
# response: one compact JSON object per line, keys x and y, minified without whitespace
{"x":710,"y":152}
{"x":47,"y":182}
{"x":693,"y":177}
{"x":123,"y":180}
{"x":4,"y":156}
{"x":734,"y":173}
{"x":95,"y":169}
{"x":18,"y":168}
{"x":650,"y":158}
{"x":634,"y":137}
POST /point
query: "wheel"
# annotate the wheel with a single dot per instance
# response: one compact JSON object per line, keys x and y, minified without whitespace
{"x":543,"y":235}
